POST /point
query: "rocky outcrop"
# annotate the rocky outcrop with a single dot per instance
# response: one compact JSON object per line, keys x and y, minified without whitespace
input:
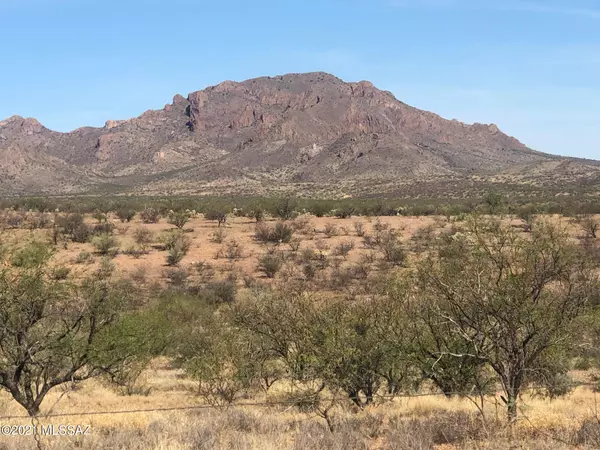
{"x":309,"y":128}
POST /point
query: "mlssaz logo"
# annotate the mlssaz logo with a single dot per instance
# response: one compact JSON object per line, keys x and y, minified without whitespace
{"x":64,"y":430}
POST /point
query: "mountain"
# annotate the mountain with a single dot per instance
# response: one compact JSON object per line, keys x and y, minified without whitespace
{"x":303,"y":134}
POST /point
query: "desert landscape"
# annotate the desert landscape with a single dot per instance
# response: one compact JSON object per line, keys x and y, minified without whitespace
{"x":317,"y":225}
{"x":206,"y":300}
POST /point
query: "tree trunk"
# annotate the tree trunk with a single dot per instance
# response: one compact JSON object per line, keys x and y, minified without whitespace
{"x":355,"y":397}
{"x":327,"y":417}
{"x":33,"y":410}
{"x":511,"y":405}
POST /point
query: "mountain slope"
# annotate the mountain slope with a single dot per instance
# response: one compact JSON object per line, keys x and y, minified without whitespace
{"x":300,"y":133}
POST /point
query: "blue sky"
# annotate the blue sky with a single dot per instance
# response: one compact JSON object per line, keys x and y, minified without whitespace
{"x":532,"y":67}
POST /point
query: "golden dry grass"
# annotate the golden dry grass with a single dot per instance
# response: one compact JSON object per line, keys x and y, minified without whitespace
{"x":403,"y":423}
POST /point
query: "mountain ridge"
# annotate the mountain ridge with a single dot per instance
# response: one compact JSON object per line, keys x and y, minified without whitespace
{"x":293,"y":133}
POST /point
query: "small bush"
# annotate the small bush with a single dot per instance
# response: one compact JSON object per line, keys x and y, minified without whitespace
{"x":359,"y":228}
{"x":70,"y":223}
{"x":177,"y":277}
{"x":218,"y":236}
{"x":106,"y":269}
{"x":81,"y":234}
{"x":343,"y":248}
{"x":232,"y":250}
{"x":143,"y":237}
{"x":126,"y":214}
{"x":134,"y":251}
{"x":33,"y":255}
{"x":390,"y":247}
{"x":220,"y":292}
{"x":257,"y":213}
{"x":588,"y":434}
{"x":285,"y":209}
{"x":321,"y":246}
{"x":310,"y":271}
{"x":60,"y":273}
{"x":103,"y":228}
{"x":295,"y":245}
{"x":84,"y":258}
{"x":100,"y":217}
{"x":178,"y":219}
{"x":150,"y":215}
{"x":280,"y":233}
{"x":177,"y":246}
{"x":219,"y":215}
{"x":262,"y":232}
{"x":307,"y":255}
{"x":105,"y":244}
{"x":345,"y":213}
{"x":319,"y":209}
{"x":301,"y":224}
{"x":139,"y":274}
{"x":330,"y":230}
{"x":270,"y":265}
{"x":589,"y":225}
{"x":379,"y":226}
{"x":204,"y":269}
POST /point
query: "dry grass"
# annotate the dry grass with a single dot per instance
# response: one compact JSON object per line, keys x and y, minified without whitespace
{"x":407,"y":423}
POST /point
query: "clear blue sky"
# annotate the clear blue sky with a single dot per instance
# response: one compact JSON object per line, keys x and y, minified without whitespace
{"x":532,"y":67}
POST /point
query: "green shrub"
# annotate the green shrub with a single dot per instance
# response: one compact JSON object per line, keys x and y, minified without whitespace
{"x":319,"y":209}
{"x":285,"y":209}
{"x":345,"y":212}
{"x":106,"y":269}
{"x":177,"y":245}
{"x":84,"y":258}
{"x":280,"y":233}
{"x":143,"y":237}
{"x":103,"y":228}
{"x":32,"y":255}
{"x":178,"y":219}
{"x":105,"y":244}
{"x":126,"y":214}
{"x":220,"y":215}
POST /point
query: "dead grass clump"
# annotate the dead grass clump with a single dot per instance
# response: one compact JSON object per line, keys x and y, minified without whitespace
{"x":588,"y":434}
{"x":302,"y":224}
{"x":450,"y":428}
{"x":330,"y":230}
{"x":218,"y":236}
{"x":343,"y":248}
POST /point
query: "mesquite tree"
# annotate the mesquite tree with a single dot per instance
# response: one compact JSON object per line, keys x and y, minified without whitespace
{"x":55,"y":332}
{"x":511,"y":298}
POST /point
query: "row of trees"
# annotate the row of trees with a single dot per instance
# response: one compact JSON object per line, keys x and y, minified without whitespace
{"x":489,"y":310}
{"x":483,"y":310}
{"x":285,"y":208}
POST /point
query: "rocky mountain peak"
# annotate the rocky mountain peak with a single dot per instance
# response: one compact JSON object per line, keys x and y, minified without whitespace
{"x":294,"y":128}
